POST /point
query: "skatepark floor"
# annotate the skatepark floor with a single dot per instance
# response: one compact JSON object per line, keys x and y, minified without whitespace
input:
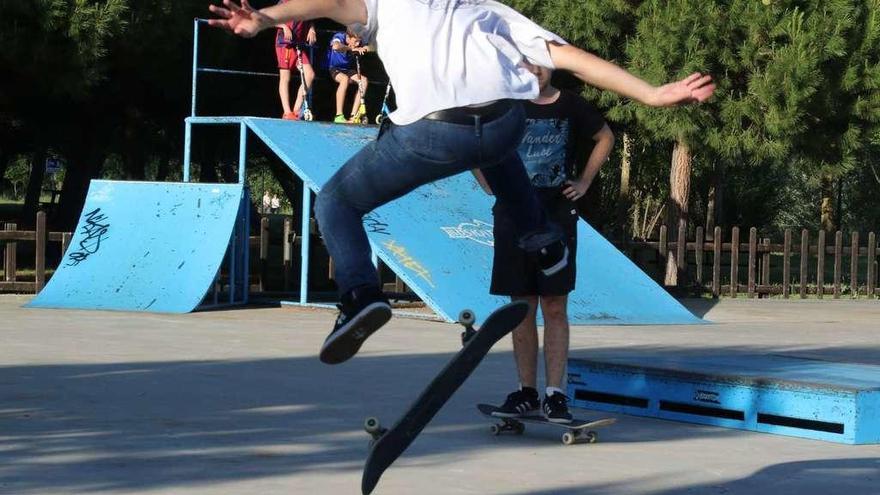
{"x":236,"y":402}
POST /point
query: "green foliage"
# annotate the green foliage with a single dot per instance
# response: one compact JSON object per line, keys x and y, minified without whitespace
{"x":260,"y":180}
{"x":56,"y":49}
{"x":17,"y":174}
{"x":105,"y":84}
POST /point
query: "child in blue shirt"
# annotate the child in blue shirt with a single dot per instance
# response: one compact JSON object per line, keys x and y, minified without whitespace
{"x":342,"y":70}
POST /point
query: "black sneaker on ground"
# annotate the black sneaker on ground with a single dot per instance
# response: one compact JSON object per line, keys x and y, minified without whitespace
{"x":553,"y":258}
{"x":556,"y":408}
{"x":363,"y":311}
{"x":519,"y":403}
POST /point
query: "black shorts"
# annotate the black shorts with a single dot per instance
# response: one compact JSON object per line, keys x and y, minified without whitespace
{"x":347,"y":72}
{"x":514,"y":272}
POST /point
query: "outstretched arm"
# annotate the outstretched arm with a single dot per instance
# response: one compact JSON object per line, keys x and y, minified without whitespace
{"x":245,"y":21}
{"x":602,"y":74}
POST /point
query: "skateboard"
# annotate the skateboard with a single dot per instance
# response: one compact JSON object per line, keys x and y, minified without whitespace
{"x":578,"y":430}
{"x":388,"y":444}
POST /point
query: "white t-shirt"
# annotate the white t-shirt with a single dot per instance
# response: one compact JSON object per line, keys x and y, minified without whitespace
{"x":443,"y":54}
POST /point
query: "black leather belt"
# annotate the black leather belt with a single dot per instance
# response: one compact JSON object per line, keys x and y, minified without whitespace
{"x":465,"y":115}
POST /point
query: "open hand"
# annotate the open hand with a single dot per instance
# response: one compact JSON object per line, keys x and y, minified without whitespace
{"x":696,"y":88}
{"x":311,"y":36}
{"x":242,"y":20}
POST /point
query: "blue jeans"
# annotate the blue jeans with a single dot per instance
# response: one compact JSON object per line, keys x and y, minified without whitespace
{"x":419,"y":153}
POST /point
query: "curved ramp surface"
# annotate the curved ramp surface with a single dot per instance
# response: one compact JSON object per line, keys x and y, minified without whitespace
{"x":439,"y":240}
{"x":144,"y":246}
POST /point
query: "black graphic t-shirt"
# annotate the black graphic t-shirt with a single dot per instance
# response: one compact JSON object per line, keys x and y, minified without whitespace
{"x":557,"y":136}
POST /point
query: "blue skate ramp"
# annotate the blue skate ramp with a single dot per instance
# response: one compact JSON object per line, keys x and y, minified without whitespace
{"x":144,"y":246}
{"x":438,"y":238}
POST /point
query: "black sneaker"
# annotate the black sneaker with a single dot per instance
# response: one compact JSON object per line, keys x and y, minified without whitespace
{"x":553,"y":258}
{"x":556,"y":408}
{"x":519,"y":403}
{"x":363,"y":311}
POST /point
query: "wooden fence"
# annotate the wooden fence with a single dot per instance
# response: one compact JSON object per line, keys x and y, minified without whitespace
{"x":290,"y":245}
{"x":835,"y":265}
{"x":766,"y":266}
{"x":10,"y":236}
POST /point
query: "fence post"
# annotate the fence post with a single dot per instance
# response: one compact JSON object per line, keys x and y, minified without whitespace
{"x":40,"y":252}
{"x":854,"y":265}
{"x":805,"y":256}
{"x":786,"y":264}
{"x":734,"y":261}
{"x":753,"y":248}
{"x":9,"y":259}
{"x":765,"y":274}
{"x":838,"y":262}
{"x":698,"y":256}
{"x":663,"y":253}
{"x":65,"y":242}
{"x":287,"y":250}
{"x":716,"y":263}
{"x":680,"y":253}
{"x":264,"y":252}
{"x":872,"y":270}
{"x":820,"y":265}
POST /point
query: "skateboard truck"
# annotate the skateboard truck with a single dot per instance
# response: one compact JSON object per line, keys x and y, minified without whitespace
{"x":568,"y":438}
{"x":376,"y":430}
{"x":467,"y":318}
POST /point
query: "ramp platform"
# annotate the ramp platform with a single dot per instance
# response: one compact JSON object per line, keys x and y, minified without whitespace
{"x":824,"y":400}
{"x":146,"y":246}
{"x":439,"y":240}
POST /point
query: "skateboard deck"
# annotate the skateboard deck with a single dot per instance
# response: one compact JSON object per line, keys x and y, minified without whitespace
{"x":578,"y":430}
{"x":389,"y":444}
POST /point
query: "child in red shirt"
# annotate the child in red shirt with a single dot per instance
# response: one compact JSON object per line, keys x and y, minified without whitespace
{"x":290,"y":35}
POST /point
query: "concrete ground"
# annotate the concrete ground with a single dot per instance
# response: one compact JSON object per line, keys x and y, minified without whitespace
{"x":236,"y":402}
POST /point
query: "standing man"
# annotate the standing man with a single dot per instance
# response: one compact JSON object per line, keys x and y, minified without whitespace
{"x":560,"y":126}
{"x":458,"y":108}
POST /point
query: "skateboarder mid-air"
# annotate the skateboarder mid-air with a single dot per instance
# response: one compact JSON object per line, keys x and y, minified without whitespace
{"x":563,"y":134}
{"x":458,"y":109}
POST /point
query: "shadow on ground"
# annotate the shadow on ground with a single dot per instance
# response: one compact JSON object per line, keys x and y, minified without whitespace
{"x":159,"y":425}
{"x":814,"y":477}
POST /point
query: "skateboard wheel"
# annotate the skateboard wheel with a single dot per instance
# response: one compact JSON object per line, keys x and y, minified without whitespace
{"x":307,"y":116}
{"x":592,"y":437}
{"x":495,"y":430}
{"x":372,"y":426}
{"x":568,"y":438}
{"x":365,"y":120}
{"x":467,"y":317}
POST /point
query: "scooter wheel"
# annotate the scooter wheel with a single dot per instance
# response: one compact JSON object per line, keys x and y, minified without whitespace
{"x":307,"y":116}
{"x":379,"y":119}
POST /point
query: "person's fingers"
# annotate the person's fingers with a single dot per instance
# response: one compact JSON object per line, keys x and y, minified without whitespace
{"x":218,"y":23}
{"x":691,"y":78}
{"x":246,"y":5}
{"x":220,"y":11}
{"x":233,"y":7}
{"x":703,"y":93}
{"x":698,"y":82}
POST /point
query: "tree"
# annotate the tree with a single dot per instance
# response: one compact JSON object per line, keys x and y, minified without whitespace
{"x":55,"y":53}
